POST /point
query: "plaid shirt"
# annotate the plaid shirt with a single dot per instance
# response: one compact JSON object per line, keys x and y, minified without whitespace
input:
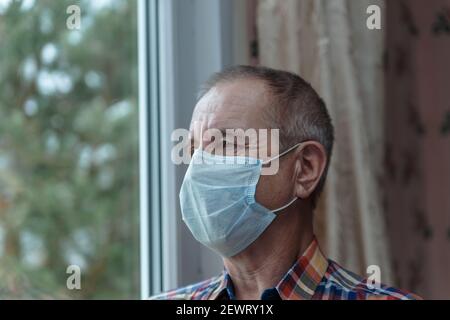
{"x":312,"y":277}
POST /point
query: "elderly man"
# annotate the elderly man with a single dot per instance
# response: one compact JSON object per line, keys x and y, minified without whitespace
{"x":262,"y":225}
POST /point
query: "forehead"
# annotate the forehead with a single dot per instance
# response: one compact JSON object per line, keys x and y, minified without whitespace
{"x":238,"y":104}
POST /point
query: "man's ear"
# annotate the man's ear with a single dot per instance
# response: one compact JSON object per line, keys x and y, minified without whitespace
{"x":311,"y":161}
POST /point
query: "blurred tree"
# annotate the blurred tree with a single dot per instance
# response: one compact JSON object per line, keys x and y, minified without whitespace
{"x":68,"y":149}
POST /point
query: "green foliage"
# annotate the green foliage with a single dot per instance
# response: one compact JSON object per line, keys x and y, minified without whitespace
{"x":68,"y":150}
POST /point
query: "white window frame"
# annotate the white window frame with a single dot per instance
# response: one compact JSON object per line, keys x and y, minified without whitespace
{"x":150,"y":239}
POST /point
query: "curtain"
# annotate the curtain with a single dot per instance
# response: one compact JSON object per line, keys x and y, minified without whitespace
{"x":418,"y":144}
{"x":329,"y":45}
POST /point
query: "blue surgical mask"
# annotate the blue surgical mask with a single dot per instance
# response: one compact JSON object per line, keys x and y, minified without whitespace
{"x":218,"y":203}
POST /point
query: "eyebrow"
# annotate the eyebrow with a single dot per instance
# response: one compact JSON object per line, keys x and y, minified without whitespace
{"x":223,"y":131}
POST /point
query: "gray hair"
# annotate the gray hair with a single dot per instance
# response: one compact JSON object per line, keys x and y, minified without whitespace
{"x":295,"y":108}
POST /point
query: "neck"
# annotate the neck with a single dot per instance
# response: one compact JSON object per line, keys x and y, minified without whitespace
{"x":264,"y":263}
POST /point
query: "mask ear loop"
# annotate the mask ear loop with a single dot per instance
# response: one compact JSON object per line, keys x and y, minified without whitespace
{"x":282,"y":154}
{"x":285,"y":206}
{"x":277,"y":157}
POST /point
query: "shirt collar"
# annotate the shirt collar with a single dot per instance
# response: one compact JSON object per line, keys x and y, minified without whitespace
{"x":299,"y":283}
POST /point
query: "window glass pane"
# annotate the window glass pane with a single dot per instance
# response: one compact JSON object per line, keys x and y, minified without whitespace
{"x":68,"y":149}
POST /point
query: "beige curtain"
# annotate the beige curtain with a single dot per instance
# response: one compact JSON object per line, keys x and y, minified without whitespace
{"x":328,"y":44}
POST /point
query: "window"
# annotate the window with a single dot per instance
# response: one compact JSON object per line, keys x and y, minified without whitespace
{"x":69,"y":149}
{"x":86,"y":116}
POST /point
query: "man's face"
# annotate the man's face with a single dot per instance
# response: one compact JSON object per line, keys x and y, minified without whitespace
{"x":243,"y":104}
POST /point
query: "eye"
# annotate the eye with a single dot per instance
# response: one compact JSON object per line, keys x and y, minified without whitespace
{"x":191,"y":148}
{"x":230,"y":146}
{"x":227,"y":146}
